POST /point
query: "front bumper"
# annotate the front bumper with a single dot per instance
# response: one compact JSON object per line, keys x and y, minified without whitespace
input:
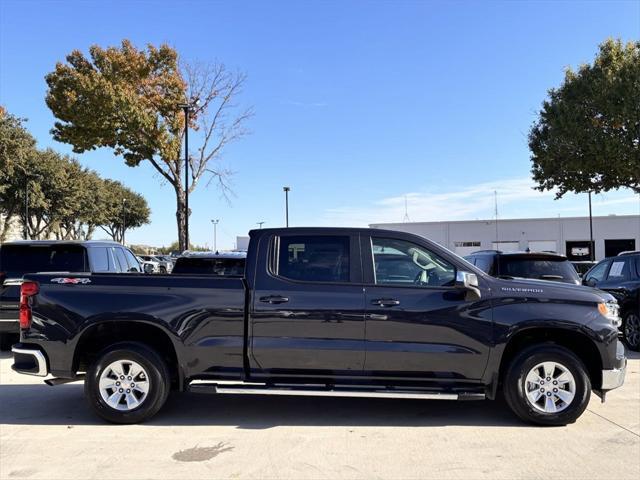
{"x":614,"y":377}
{"x":29,"y":360}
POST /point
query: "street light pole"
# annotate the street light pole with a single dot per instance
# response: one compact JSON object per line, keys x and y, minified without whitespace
{"x":592,"y":255}
{"x":26,"y":207}
{"x":124,"y":218}
{"x":186,"y":107}
{"x":260,"y":224}
{"x":215,"y":234}
{"x":286,"y":202}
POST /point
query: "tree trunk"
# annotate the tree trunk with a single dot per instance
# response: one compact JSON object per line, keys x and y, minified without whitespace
{"x":180,"y":218}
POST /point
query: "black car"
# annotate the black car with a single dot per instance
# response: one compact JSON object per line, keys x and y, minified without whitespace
{"x":538,"y":265}
{"x":22,"y":257}
{"x":211,"y":263}
{"x":620,"y":276}
{"x":342,"y":312}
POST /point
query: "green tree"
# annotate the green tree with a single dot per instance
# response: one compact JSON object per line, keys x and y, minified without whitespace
{"x":127,"y":99}
{"x":17,"y":148}
{"x":123,"y":210}
{"x":587,"y":136}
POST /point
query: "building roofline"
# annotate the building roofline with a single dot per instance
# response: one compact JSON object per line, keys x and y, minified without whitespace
{"x":503,"y":220}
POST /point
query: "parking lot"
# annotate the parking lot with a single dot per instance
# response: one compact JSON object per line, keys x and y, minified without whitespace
{"x":48,"y":432}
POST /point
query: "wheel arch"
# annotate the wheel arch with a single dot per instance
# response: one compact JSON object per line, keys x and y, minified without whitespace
{"x":573,"y":340}
{"x":98,"y":336}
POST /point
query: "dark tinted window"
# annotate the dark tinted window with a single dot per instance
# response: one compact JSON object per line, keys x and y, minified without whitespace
{"x":232,"y":267}
{"x":100,"y":259}
{"x":313,"y":258}
{"x":484,"y":263}
{"x":18,"y":260}
{"x":398,"y":262}
{"x":542,"y":269}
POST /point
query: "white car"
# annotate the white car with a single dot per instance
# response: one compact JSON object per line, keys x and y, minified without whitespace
{"x":149,"y":264}
{"x":165,"y":262}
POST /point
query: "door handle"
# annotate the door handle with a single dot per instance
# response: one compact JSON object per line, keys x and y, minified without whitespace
{"x":274,"y":299}
{"x":386,"y":302}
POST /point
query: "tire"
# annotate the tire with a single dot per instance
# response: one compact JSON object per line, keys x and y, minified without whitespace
{"x":529,"y":362}
{"x":631,"y":330}
{"x":163,"y":270}
{"x":127,"y":405}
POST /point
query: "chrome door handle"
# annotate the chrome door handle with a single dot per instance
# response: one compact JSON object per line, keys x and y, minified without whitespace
{"x":274,"y":299}
{"x":386,"y":302}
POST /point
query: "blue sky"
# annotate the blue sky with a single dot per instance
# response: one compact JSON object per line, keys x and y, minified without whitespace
{"x":359,"y":104}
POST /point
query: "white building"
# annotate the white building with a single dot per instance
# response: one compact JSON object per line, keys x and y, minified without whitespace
{"x":566,"y":235}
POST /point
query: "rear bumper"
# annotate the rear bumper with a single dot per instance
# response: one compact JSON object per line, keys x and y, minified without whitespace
{"x":29,"y":361}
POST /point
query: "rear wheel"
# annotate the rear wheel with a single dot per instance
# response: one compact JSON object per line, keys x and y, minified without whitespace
{"x":548,"y":385}
{"x":128,"y":383}
{"x":163,"y":270}
{"x":631,"y":330}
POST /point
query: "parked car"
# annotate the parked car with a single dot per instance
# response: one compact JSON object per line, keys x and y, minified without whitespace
{"x":22,"y":257}
{"x":150,"y":264}
{"x":211,"y":263}
{"x":538,"y":265}
{"x":315,"y":314}
{"x":620,"y":276}
{"x":165,"y":262}
{"x":582,"y":266}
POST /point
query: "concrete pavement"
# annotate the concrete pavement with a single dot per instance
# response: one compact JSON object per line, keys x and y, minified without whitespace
{"x":49,"y":433}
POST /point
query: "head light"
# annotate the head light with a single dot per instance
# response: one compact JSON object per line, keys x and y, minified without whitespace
{"x":611,"y":311}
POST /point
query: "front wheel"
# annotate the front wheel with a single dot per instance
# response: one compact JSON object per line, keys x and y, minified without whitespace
{"x":547,"y":385}
{"x":128,"y":383}
{"x":631,"y":330}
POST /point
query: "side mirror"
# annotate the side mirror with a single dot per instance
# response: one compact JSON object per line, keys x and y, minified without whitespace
{"x":468,"y":281}
{"x":589,"y":283}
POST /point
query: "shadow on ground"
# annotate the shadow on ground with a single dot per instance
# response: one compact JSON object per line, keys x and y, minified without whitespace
{"x":65,"y":405}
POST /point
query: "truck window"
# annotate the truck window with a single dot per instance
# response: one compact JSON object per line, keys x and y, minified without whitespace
{"x":225,"y":267}
{"x":598,"y":272}
{"x":121,"y":259}
{"x":134,"y":265}
{"x":312,"y":258}
{"x":484,"y":263}
{"x":18,"y":260}
{"x":99,"y":259}
{"x":398,"y":262}
{"x":620,"y":270}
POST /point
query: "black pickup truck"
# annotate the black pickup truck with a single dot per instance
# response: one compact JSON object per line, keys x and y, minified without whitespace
{"x":325,"y":311}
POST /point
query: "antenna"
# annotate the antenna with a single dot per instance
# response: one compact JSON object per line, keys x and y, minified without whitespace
{"x":495,"y":199}
{"x":406,"y":211}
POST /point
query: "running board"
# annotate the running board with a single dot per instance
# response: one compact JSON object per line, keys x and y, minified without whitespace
{"x":249,"y":388}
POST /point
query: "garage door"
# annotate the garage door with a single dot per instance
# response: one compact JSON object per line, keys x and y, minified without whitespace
{"x":506,"y":246}
{"x":543,"y":246}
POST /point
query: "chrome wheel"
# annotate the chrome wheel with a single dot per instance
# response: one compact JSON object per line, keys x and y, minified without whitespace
{"x":124,"y":385}
{"x":632,"y":330}
{"x":550,"y":387}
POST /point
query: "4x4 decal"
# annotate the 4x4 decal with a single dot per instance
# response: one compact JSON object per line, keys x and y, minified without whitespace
{"x":72,"y":281}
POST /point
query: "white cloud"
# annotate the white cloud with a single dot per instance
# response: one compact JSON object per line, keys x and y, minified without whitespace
{"x":516,"y":199}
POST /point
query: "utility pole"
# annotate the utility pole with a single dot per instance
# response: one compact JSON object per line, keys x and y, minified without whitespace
{"x":215,"y":234}
{"x":286,"y":202}
{"x":260,"y":224}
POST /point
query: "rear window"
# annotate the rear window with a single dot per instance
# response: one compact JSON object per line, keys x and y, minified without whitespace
{"x":227,"y":267}
{"x":541,"y":269}
{"x":18,"y":260}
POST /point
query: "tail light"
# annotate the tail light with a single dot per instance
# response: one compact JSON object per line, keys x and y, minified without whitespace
{"x":27,"y":289}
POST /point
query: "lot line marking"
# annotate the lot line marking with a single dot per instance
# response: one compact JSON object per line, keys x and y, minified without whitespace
{"x":616,"y":424}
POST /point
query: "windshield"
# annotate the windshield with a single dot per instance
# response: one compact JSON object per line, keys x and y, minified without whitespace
{"x":18,"y":260}
{"x":233,"y":267}
{"x":543,"y":269}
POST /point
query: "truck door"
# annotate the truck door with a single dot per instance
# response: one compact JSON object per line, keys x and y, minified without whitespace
{"x":419,"y":324}
{"x":307,"y":315}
